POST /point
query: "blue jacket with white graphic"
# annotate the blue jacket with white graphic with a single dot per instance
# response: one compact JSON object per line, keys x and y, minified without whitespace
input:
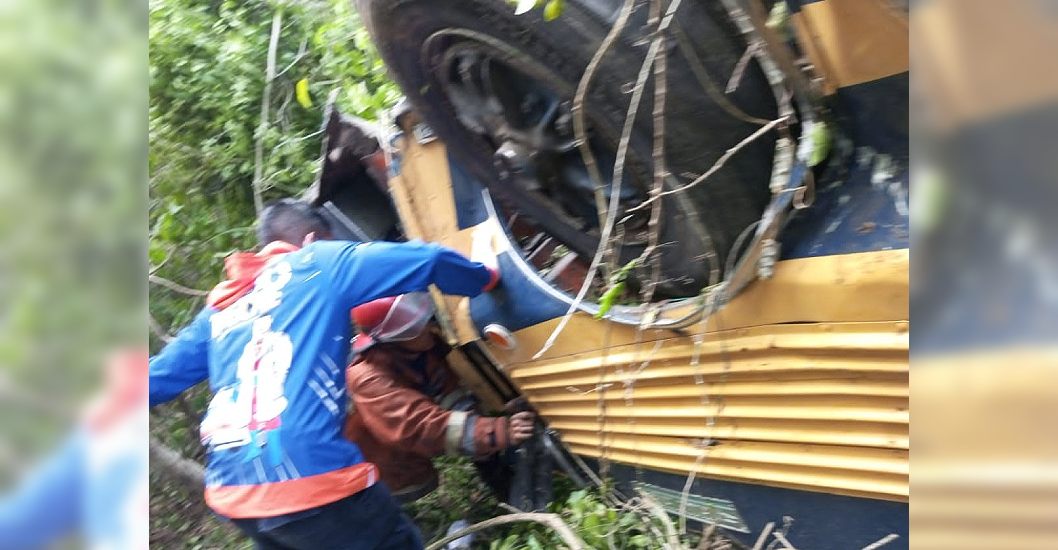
{"x":275,"y":364}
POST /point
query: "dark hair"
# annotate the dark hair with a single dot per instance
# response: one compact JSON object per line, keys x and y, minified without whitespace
{"x":291,"y":220}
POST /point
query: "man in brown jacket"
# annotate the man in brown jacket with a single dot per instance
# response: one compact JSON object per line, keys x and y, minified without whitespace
{"x":408,"y":404}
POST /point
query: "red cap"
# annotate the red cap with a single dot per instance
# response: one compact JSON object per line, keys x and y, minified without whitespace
{"x":370,"y":315}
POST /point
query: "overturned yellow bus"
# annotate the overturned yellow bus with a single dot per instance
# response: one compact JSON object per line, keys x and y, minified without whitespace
{"x":737,"y":321}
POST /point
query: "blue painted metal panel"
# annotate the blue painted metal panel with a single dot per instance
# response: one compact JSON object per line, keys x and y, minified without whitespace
{"x":857,"y":213}
{"x":518,"y":302}
{"x":875,"y":114}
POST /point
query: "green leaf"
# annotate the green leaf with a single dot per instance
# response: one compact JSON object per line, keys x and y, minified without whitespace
{"x":639,"y":541}
{"x":509,"y":542}
{"x":820,"y":136}
{"x":552,"y":10}
{"x":609,"y":298}
{"x":301,"y":92}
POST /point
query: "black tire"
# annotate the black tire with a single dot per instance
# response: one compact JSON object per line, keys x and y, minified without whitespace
{"x":699,"y":226}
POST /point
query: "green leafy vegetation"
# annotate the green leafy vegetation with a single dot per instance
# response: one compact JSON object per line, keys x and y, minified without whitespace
{"x":616,"y":288}
{"x":207,"y":77}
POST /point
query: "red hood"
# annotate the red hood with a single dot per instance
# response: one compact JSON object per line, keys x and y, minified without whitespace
{"x":242,"y":268}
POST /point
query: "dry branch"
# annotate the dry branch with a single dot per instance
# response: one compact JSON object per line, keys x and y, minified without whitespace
{"x":707,"y":83}
{"x":177,"y":287}
{"x":716,"y":166}
{"x":266,"y":104}
{"x":657,"y":155}
{"x":552,"y":521}
{"x":579,"y":128}
{"x":615,"y":190}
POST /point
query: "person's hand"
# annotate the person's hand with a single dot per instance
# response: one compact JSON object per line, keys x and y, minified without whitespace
{"x":521,"y":426}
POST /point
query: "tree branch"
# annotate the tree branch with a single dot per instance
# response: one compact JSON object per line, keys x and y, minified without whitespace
{"x":579,"y":127}
{"x":266,"y":103}
{"x":615,"y":190}
{"x":707,"y":83}
{"x":158,"y":280}
{"x":658,"y":156}
{"x":716,"y":166}
{"x":550,"y":520}
{"x":190,"y":474}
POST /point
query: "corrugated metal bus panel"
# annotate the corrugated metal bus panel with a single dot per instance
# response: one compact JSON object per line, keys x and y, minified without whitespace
{"x":830,"y":432}
{"x":893,"y":461}
{"x":817,"y":406}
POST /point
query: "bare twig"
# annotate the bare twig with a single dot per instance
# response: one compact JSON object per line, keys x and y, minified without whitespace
{"x":615,"y":190}
{"x":579,"y":126}
{"x":657,"y":155}
{"x":740,"y":68}
{"x":716,"y":166}
{"x":707,"y":83}
{"x":162,"y":281}
{"x":882,"y":542}
{"x":266,"y":104}
{"x":764,"y":536}
{"x":550,"y":520}
{"x":782,"y":54}
{"x":302,"y":50}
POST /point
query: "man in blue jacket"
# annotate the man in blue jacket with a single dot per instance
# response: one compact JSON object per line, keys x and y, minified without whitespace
{"x":272,"y":341}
